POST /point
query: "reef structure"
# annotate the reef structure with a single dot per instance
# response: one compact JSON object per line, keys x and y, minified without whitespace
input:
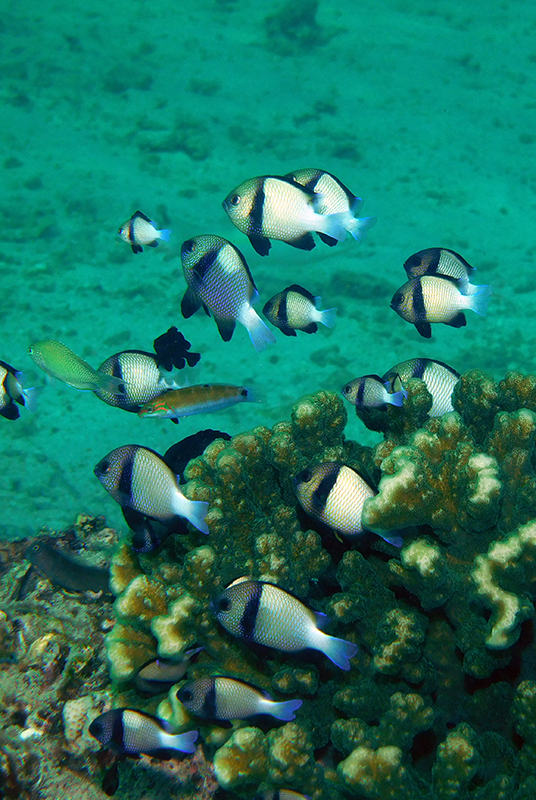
{"x":440,"y":701}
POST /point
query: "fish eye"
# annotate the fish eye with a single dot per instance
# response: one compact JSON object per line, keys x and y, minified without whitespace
{"x":304,"y":476}
{"x":414,"y":261}
{"x":234,"y":200}
{"x":187,"y":695}
{"x":224,"y":604}
{"x":96,"y":727}
{"x":243,"y":392}
{"x":104,"y":467}
{"x":346,"y":389}
{"x":398,"y":298}
{"x":188,"y":246}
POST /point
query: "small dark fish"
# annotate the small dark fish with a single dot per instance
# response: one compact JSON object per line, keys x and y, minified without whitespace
{"x":221,"y":698}
{"x":432,"y":298}
{"x":438,"y":261}
{"x":127,"y":731}
{"x":140,"y":230}
{"x":180,"y":453}
{"x":371,"y":391}
{"x":440,"y":380}
{"x":61,"y":570}
{"x":172,"y":350}
{"x":296,"y":309}
{"x":160,"y":674}
{"x":261,"y":612}
{"x":12,"y":392}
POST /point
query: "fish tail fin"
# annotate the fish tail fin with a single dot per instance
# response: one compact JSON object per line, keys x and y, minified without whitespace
{"x":284,"y":710}
{"x":337,"y":650}
{"x":30,"y":396}
{"x":395,"y":398}
{"x":185,"y":742}
{"x":165,"y":233}
{"x":358,"y":227}
{"x":479,"y":296}
{"x":328,"y":317}
{"x":259,"y":333}
{"x":194,"y":511}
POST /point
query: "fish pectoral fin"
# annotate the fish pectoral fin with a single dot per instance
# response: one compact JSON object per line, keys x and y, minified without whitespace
{"x":305,"y":242}
{"x":459,"y":321}
{"x":260,"y":244}
{"x":329,"y":240}
{"x":226,"y":328}
{"x":190,"y":303}
{"x":424,"y":328}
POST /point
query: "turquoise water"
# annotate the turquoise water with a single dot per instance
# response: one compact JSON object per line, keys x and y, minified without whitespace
{"x":428,"y":113}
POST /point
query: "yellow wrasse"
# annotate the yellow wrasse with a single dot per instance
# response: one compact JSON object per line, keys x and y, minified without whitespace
{"x":57,"y":360}
{"x":196,"y":400}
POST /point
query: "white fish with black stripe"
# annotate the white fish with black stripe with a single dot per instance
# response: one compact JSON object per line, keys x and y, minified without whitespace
{"x":219,"y":280}
{"x":335,"y":495}
{"x":262,"y":613}
{"x":130,"y":732}
{"x":439,"y":378}
{"x":434,"y":298}
{"x":276,"y":207}
{"x":226,"y":699}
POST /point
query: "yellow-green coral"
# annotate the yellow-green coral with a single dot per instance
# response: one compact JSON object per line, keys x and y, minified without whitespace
{"x":428,"y":707}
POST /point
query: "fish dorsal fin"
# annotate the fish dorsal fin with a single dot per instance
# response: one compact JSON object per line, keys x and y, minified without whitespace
{"x":300,"y":290}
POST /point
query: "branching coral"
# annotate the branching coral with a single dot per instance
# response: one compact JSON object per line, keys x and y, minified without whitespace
{"x":428,"y":708}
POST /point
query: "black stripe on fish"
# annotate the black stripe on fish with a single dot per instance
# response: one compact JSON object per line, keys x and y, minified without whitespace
{"x":419,"y":309}
{"x":322,"y":491}
{"x":205,"y":263}
{"x":255,"y":222}
{"x":246,"y":625}
{"x":124,"y":486}
{"x":208,"y":708}
{"x":118,"y":732}
{"x":360,"y":393}
{"x":419,"y":369}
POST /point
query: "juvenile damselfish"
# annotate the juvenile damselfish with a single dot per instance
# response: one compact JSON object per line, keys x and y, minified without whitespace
{"x":296,"y":309}
{"x":140,"y":230}
{"x":335,"y":495}
{"x":334,"y":198}
{"x":57,"y":360}
{"x":433,"y":298}
{"x":140,"y":374}
{"x":440,"y":380}
{"x":220,"y":698}
{"x":127,"y":731}
{"x":139,"y":479}
{"x":198,"y":399}
{"x":219,"y":280}
{"x":160,"y":674}
{"x":261,"y":612}
{"x":281,"y":794}
{"x":12,"y":392}
{"x":371,"y":391}
{"x":275,"y":207}
{"x":438,"y":261}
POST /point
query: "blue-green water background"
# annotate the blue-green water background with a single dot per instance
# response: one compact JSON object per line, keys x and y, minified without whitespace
{"x":426,"y":110}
